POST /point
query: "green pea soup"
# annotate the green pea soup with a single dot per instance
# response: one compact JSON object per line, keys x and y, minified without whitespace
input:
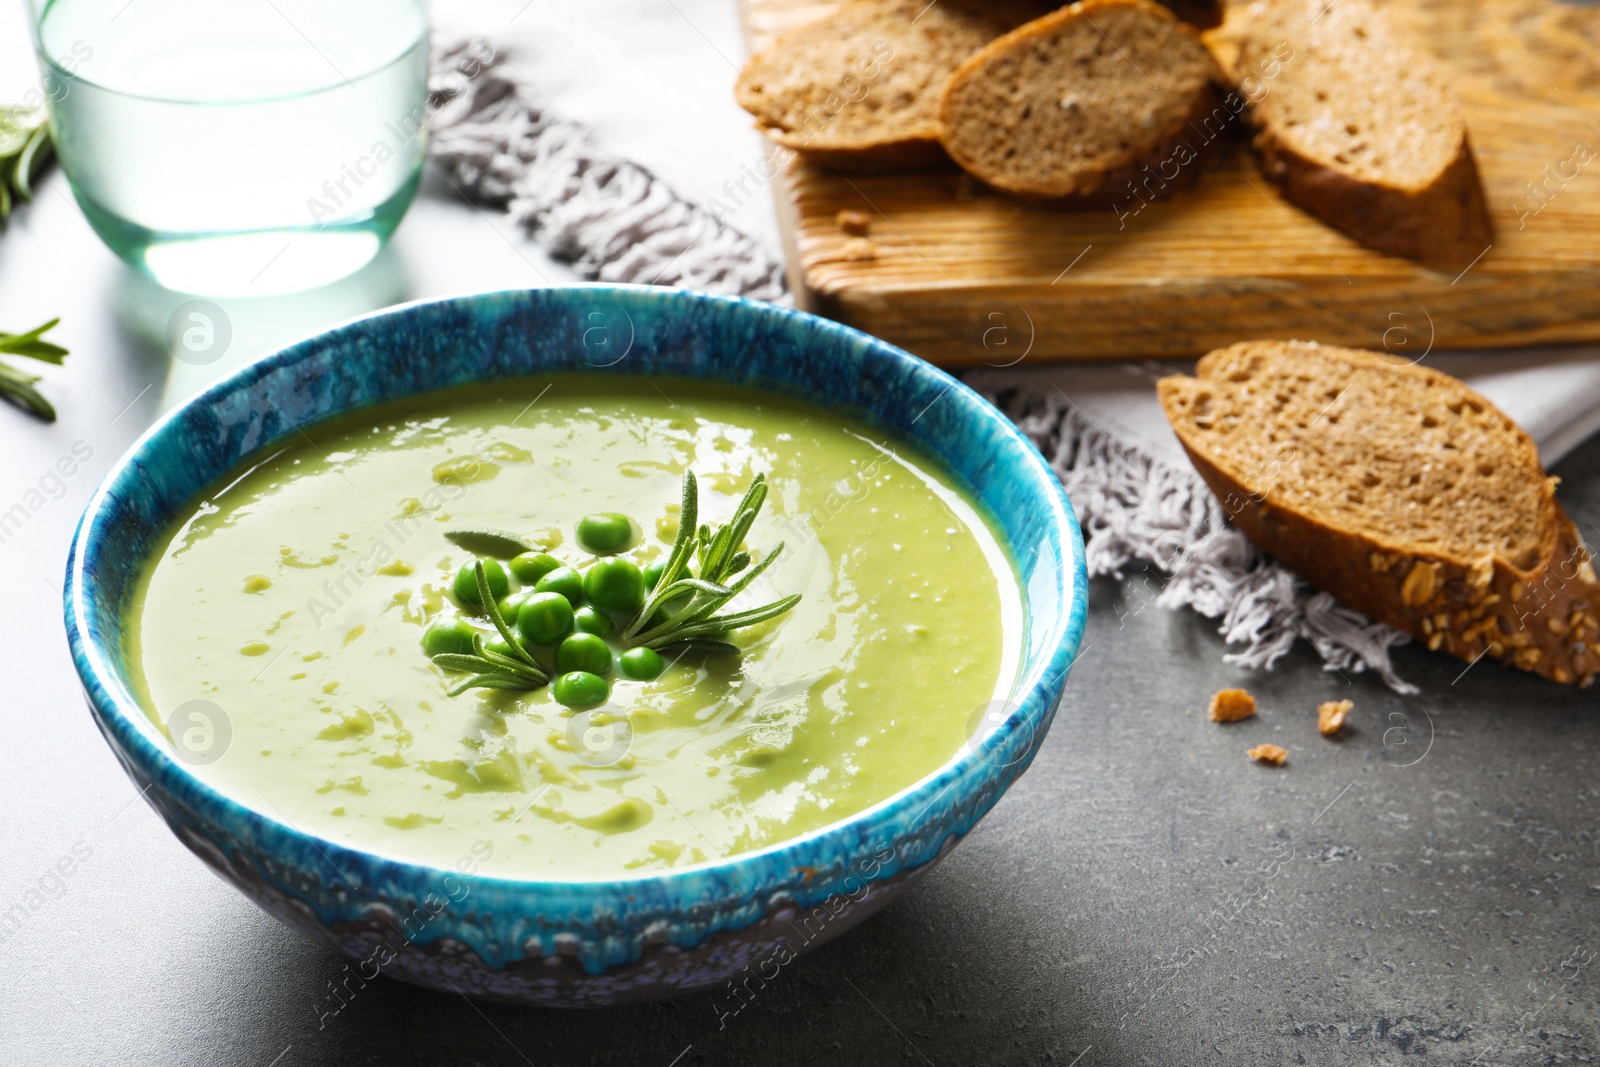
{"x":294,"y":594}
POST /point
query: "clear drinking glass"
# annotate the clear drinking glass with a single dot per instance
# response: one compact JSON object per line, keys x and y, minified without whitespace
{"x":238,"y":147}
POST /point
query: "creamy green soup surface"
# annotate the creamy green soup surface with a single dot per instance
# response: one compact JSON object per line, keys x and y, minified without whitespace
{"x":294,"y":596}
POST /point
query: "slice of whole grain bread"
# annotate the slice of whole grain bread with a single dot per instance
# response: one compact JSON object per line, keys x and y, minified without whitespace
{"x":1082,"y":102}
{"x":1361,"y":128}
{"x":1400,"y":491}
{"x":859,"y":88}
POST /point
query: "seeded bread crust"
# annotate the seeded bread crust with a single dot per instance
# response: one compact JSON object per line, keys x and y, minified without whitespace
{"x":1540,"y":613}
{"x":986,"y":125}
{"x":1442,"y":222}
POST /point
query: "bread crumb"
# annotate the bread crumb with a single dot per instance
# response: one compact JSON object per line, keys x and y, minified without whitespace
{"x":1330,"y":716}
{"x":853,"y":222}
{"x":859,"y":250}
{"x":1272,"y":754}
{"x":1231,"y":705}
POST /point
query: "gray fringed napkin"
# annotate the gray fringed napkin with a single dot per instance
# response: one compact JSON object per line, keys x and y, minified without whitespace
{"x":611,"y":218}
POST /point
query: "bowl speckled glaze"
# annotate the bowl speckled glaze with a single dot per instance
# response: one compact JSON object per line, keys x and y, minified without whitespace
{"x":578,"y":943}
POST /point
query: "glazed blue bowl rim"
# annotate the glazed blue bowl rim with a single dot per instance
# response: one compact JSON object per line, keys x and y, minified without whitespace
{"x":1037,"y":688}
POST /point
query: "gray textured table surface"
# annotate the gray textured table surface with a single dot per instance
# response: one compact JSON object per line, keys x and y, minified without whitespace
{"x":1427,"y":887}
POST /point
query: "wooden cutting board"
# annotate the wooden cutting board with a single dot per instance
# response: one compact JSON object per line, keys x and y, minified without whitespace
{"x":961,"y":275}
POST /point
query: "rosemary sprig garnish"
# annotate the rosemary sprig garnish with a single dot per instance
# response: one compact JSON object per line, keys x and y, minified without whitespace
{"x":494,"y":544}
{"x":695,"y":624}
{"x":17,"y":386}
{"x":681,"y":610}
{"x":487,"y":668}
{"x":24,"y":148}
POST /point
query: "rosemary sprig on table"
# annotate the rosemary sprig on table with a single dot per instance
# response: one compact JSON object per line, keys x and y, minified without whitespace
{"x":487,"y":668}
{"x":24,"y":148}
{"x":695,"y":623}
{"x":17,"y":386}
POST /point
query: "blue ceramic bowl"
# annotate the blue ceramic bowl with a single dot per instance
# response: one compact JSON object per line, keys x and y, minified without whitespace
{"x":578,"y":943}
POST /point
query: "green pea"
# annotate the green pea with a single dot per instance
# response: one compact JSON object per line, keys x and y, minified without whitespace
{"x":583,"y":652}
{"x":605,"y":532}
{"x":544,"y":619}
{"x":615,"y":585}
{"x":563,"y":580}
{"x":531,"y":566}
{"x":641,"y":664}
{"x":466,"y":583}
{"x":508,"y":605}
{"x":579,"y":689}
{"x":652,"y":573}
{"x":593,"y":621}
{"x":500,"y":645}
{"x":448,"y":635}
